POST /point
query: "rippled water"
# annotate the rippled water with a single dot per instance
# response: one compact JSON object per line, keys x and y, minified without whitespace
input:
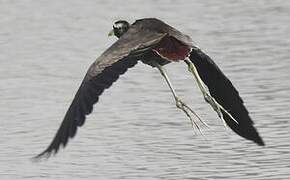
{"x":135,"y":131}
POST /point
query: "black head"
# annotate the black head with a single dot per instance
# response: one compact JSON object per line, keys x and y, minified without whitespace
{"x":119,"y":28}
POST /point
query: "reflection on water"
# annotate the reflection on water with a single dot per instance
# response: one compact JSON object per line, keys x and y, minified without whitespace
{"x":135,"y":130}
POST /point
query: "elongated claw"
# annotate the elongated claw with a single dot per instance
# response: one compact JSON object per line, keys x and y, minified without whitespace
{"x":188,"y":111}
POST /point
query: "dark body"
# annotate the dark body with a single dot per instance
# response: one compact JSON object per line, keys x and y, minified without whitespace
{"x":151,"y":41}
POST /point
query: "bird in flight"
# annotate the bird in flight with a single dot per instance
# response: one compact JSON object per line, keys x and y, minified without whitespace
{"x":156,"y":44}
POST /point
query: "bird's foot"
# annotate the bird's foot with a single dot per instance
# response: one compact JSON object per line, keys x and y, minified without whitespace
{"x":188,"y":111}
{"x":216,"y":106}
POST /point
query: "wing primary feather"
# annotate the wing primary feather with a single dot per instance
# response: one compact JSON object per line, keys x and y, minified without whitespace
{"x":82,"y":105}
{"x":225,"y":94}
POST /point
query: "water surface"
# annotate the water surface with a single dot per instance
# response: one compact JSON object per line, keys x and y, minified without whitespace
{"x":135,"y":131}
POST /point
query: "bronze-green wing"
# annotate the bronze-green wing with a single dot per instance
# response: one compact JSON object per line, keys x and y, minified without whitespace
{"x":123,"y":54}
{"x":225,"y":94}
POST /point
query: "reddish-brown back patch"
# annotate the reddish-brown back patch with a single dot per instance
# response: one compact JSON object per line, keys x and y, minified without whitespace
{"x":172,"y":49}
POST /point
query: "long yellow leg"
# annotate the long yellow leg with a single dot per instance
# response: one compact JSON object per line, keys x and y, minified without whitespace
{"x":208,"y":98}
{"x":179,"y":103}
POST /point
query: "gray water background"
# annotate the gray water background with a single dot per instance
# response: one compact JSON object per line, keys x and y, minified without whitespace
{"x":135,"y":131}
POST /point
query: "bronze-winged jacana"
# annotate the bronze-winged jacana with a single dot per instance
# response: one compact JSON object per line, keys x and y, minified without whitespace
{"x":155,"y":43}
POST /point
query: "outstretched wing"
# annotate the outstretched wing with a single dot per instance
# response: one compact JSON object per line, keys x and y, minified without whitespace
{"x":225,"y":94}
{"x":122,"y":55}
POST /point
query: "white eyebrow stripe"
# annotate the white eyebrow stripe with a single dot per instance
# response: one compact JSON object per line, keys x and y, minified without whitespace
{"x":118,"y":25}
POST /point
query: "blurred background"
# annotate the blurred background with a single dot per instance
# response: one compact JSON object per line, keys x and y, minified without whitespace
{"x":135,"y":131}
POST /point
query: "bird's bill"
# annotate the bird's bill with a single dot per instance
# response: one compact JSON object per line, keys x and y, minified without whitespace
{"x":111,"y":33}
